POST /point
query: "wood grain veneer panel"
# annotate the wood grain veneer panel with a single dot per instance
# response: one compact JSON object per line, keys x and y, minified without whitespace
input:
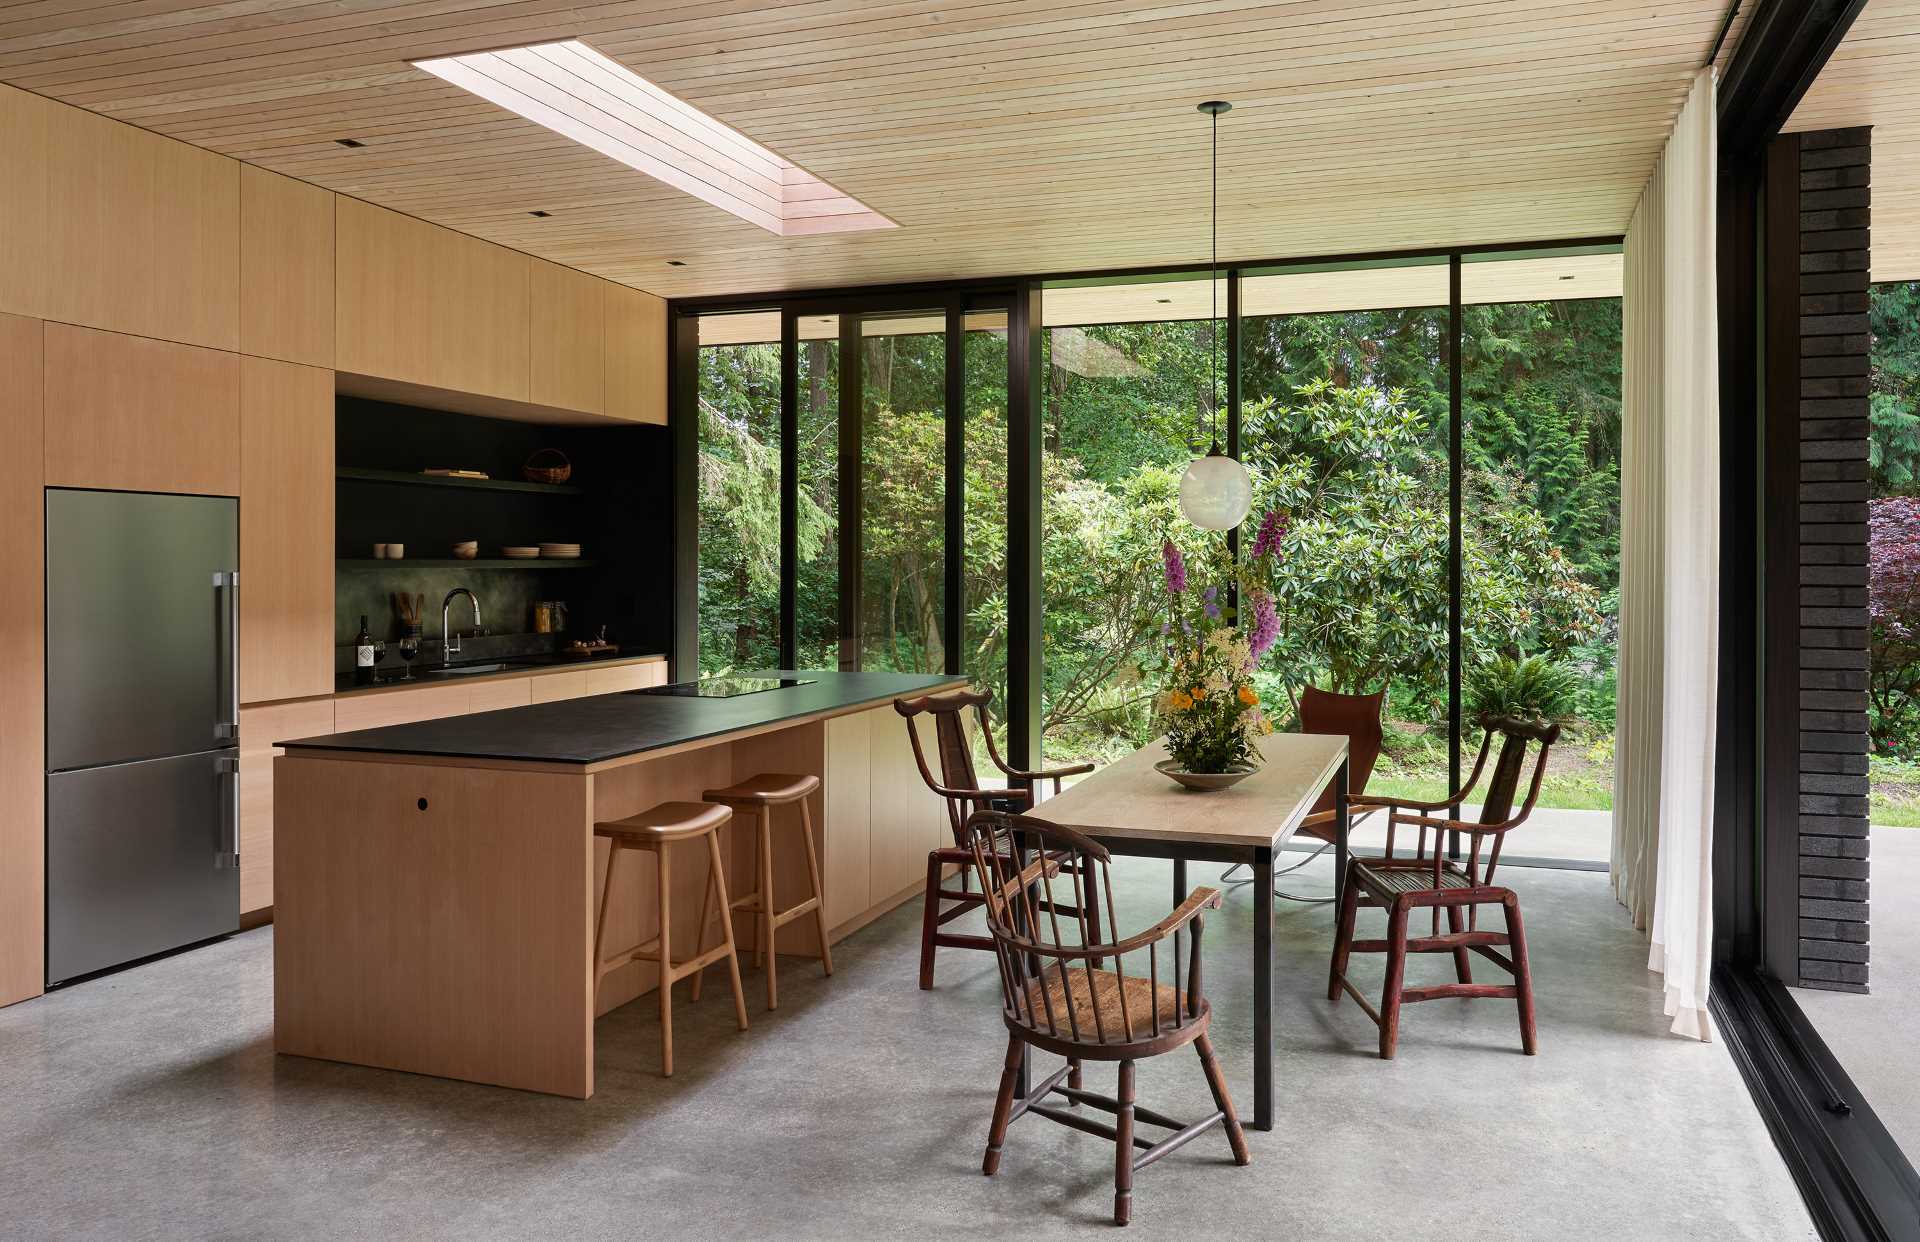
{"x":636,"y":355}
{"x":260,"y":728}
{"x":847,"y":800}
{"x":391,"y":707}
{"x":451,"y":938}
{"x":286,"y":268}
{"x":552,"y":687}
{"x":22,"y":672}
{"x":286,"y":530}
{"x":23,"y":202}
{"x":141,"y":415}
{"x":492,"y":695}
{"x":142,"y":233}
{"x":424,"y":304}
{"x":568,"y":353}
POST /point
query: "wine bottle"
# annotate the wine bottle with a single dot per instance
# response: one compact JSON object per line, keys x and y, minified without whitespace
{"x":363,"y":655}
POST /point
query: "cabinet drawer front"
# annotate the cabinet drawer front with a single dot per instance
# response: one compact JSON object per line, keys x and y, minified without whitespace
{"x":493,"y":695}
{"x":552,"y":687}
{"x":372,"y":711}
{"x":614,"y":680}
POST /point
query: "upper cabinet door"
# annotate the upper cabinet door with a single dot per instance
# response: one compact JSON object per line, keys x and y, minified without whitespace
{"x":286,"y":268}
{"x":137,"y":415}
{"x":423,"y":304}
{"x":636,"y":355}
{"x":286,"y":530}
{"x":569,"y":345}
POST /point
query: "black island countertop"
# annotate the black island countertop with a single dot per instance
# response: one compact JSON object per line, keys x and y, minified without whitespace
{"x":604,"y":727}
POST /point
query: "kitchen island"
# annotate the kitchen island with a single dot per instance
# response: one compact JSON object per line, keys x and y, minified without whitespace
{"x":435,"y":883}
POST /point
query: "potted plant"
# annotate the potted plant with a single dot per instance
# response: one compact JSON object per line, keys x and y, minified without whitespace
{"x":1208,"y":706}
{"x":1530,"y":688}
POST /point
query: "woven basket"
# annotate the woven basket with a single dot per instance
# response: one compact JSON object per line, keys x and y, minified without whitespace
{"x":549,"y":465}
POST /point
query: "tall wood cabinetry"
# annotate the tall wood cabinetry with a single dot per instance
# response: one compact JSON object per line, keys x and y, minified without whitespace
{"x":172,"y":320}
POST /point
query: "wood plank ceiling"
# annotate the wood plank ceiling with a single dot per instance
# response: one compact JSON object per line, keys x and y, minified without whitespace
{"x":1874,"y":79}
{"x":1006,"y":136}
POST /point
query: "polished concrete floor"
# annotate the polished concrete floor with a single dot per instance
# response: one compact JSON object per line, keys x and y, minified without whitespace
{"x":1872,"y":1033}
{"x":149,"y":1104}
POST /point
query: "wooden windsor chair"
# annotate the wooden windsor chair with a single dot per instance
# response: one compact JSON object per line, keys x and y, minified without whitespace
{"x":1066,"y":989}
{"x":1402,"y":885}
{"x":960,"y":787}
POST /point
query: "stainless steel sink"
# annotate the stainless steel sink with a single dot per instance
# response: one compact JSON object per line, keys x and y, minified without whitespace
{"x":458,"y":670}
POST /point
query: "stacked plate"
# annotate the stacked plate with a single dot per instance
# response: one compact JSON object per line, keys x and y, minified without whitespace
{"x":560,"y":551}
{"x":518,"y":553}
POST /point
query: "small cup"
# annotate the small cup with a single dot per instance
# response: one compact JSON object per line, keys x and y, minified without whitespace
{"x":379,"y":551}
{"x":396,"y":551}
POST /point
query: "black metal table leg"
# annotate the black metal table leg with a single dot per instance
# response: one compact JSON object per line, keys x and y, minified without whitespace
{"x":1342,"y":820}
{"x":1263,"y":987}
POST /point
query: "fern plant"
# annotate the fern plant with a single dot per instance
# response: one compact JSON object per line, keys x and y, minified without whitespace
{"x":1527,"y":688}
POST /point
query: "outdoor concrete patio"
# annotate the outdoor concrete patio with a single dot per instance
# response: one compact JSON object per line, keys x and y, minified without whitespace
{"x":860,"y":1110}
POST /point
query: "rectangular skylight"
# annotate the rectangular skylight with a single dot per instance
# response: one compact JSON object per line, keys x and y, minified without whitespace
{"x":598,"y":102}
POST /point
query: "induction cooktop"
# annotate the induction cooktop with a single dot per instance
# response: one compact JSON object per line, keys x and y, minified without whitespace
{"x":724,"y":687}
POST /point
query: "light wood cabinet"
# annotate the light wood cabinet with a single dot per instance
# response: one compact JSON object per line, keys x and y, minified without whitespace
{"x":636,"y":355}
{"x":286,"y":530}
{"x":552,"y":687}
{"x":260,"y":728}
{"x":24,"y":274}
{"x":845,"y":821}
{"x":907,"y":817}
{"x":490,"y":696}
{"x":286,"y":268}
{"x":140,"y":415}
{"x":568,"y":363}
{"x":426,"y":305}
{"x":22,"y":671}
{"x":142,"y":232}
{"x":622,"y":677}
{"x":391,"y":707}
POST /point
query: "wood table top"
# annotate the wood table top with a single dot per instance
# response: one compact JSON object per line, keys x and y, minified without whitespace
{"x":1128,"y":799}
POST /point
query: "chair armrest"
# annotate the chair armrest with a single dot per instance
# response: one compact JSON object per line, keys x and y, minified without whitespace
{"x":1054,"y":774}
{"x":980,"y":795}
{"x":1199,"y":900}
{"x":1411,"y":804}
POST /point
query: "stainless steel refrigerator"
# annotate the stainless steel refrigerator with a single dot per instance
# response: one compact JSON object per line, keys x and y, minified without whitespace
{"x":143,"y":799}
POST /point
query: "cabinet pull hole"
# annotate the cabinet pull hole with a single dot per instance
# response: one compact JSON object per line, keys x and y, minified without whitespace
{"x":422,"y":804}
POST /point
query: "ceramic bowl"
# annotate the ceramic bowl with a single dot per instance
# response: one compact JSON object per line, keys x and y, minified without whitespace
{"x":1171,"y":769}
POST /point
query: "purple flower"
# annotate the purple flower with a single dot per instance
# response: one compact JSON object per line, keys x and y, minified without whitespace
{"x":1266,"y":627}
{"x":1273,"y":528}
{"x":1176,"y":567}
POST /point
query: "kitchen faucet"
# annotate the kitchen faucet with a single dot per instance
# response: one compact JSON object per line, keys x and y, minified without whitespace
{"x":450,"y":642}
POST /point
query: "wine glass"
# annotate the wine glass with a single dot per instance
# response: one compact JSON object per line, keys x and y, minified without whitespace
{"x":409,"y":647}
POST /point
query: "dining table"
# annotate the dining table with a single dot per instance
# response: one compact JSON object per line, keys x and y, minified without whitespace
{"x":1133,"y":810}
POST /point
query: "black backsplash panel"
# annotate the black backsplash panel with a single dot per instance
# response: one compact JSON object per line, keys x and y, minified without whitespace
{"x":623,"y":521}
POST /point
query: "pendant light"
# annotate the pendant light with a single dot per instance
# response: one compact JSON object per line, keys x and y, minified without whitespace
{"x":1215,"y":493}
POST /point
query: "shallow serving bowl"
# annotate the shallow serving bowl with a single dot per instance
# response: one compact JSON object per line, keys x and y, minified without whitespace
{"x":1203,"y":780}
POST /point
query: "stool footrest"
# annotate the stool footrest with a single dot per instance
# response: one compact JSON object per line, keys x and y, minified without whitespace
{"x":750,"y":904}
{"x":681,"y":970}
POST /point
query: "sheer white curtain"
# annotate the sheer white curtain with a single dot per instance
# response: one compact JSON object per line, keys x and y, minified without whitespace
{"x":1670,"y":565}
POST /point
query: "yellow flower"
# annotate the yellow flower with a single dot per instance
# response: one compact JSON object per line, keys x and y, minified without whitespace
{"x":1248,"y":697}
{"x":1199,"y":692}
{"x":1178,"y":701}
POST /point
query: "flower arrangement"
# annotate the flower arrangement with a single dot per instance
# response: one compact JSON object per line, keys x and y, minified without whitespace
{"x":1208,"y":706}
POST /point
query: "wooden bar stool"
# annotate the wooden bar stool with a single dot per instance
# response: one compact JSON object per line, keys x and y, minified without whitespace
{"x":653,"y":829}
{"x":760,"y":794}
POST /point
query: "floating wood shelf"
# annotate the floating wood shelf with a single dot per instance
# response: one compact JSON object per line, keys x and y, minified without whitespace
{"x":412,"y":562}
{"x":408,"y":478}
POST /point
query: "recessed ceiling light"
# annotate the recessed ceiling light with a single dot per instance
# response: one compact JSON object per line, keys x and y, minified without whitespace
{"x":350,"y":142}
{"x":676,"y":262}
{"x":1164,"y":301}
{"x":540,"y":215}
{"x":1566,"y":278}
{"x":580,"y":94}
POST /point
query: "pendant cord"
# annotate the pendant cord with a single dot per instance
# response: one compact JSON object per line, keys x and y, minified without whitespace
{"x":1213,"y":283}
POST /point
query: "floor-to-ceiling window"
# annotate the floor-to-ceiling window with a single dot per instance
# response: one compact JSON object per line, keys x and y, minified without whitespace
{"x":816,"y":611}
{"x":1129,"y":390}
{"x":739,"y":491}
{"x":983,"y":534}
{"x":1345,"y":427}
{"x":1540,"y":411}
{"x":903,"y":436}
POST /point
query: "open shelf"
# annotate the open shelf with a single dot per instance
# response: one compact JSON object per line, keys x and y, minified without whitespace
{"x":413,"y":562}
{"x":408,"y":479}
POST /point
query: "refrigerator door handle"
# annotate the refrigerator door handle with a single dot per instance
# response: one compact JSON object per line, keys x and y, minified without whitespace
{"x":229,"y":855}
{"x":228,"y":661}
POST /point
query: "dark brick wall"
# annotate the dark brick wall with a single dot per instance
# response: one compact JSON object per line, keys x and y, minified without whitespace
{"x":1835,"y":198}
